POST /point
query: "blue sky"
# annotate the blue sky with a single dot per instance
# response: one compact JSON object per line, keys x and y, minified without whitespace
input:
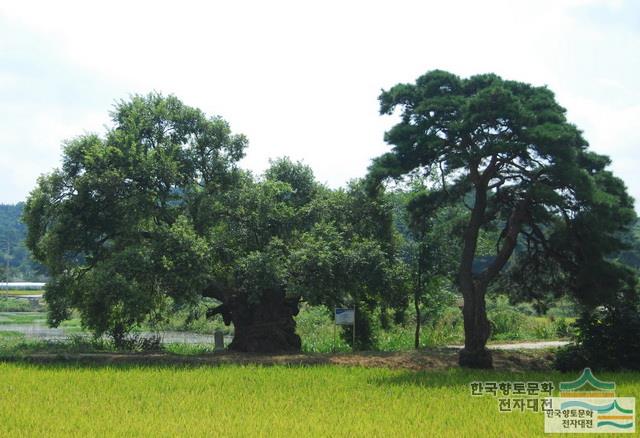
{"x":302,"y":79}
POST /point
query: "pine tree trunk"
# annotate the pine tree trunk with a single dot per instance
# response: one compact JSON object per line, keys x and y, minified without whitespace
{"x":476,"y":329}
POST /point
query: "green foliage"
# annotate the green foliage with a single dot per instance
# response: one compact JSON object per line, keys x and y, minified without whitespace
{"x":510,"y":322}
{"x":138,"y":343}
{"x":13,"y":252}
{"x":607,"y":338}
{"x":16,"y":305}
{"x":631,"y":255}
{"x":446,"y":330}
{"x":564,"y":307}
{"x":299,"y":177}
{"x":183,"y":349}
{"x":506,"y":323}
{"x":367,"y":330}
{"x":15,"y":344}
{"x":187,"y":318}
{"x":564,"y":329}
{"x":315,"y":326}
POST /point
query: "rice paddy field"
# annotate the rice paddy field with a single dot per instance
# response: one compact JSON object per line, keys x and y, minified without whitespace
{"x":19,"y":292}
{"x":235,"y":400}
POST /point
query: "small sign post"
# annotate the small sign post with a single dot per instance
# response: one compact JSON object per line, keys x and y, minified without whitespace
{"x":218,"y":338}
{"x":345,"y":317}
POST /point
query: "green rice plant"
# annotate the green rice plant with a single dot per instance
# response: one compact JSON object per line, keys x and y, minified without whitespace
{"x":230,"y":400}
{"x":22,"y":318}
{"x":15,"y":305}
{"x":18,"y":292}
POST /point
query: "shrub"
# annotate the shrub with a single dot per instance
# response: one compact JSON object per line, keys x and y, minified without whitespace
{"x":367,"y":329}
{"x":191,"y":317}
{"x":447,"y":329}
{"x":315,"y":328}
{"x":541,"y":328}
{"x":136,"y":342}
{"x":526,"y":309}
{"x":563,"y":328}
{"x":506,"y":324}
{"x":607,"y":338}
{"x":570,"y":358}
{"x":396,"y":338}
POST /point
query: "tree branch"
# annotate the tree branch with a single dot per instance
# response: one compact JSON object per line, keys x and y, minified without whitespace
{"x":513,"y":228}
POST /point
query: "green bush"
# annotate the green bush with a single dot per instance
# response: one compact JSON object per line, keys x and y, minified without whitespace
{"x":314,"y":325}
{"x":538,"y":327}
{"x":607,"y":338}
{"x":367,"y":330}
{"x":564,"y":328}
{"x":448,"y":329}
{"x":526,"y":309}
{"x":396,"y":338}
{"x":506,"y":324}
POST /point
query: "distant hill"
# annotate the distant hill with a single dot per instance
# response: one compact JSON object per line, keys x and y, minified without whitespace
{"x":12,"y":249}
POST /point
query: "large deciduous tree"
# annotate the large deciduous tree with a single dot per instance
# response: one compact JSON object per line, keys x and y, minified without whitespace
{"x":348,"y":258}
{"x":506,"y":149}
{"x":158,"y":208}
{"x":115,"y":224}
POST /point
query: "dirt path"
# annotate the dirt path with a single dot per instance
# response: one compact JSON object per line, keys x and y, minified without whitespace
{"x":525,"y":345}
{"x":432,"y":359}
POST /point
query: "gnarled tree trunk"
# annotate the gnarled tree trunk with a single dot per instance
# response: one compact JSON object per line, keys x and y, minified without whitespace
{"x":476,"y":329}
{"x":476,"y":324}
{"x":474,"y":285}
{"x":264,"y":327}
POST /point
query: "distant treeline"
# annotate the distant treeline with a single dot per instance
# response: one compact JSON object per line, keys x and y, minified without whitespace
{"x":13,"y":253}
